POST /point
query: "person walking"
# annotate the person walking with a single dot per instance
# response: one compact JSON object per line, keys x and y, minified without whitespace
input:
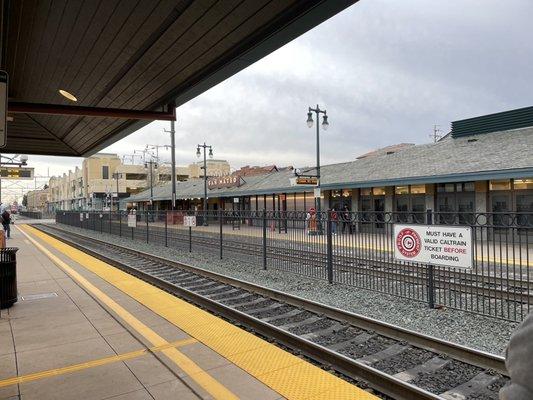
{"x":346,"y":220}
{"x":6,"y":222}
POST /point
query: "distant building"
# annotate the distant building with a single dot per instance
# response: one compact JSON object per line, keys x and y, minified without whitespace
{"x":104,"y":179}
{"x":251,"y":171}
{"x":37,"y":200}
{"x":214,"y":168}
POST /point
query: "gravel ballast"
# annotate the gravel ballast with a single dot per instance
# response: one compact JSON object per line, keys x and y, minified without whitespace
{"x":477,"y":331}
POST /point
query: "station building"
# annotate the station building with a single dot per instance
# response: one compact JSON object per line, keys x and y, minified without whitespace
{"x":485,"y":164}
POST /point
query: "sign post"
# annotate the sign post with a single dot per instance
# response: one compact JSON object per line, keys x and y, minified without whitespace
{"x":132,"y":220}
{"x":190,"y":221}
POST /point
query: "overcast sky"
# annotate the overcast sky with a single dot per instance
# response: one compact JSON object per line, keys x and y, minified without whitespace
{"x":385,"y":70}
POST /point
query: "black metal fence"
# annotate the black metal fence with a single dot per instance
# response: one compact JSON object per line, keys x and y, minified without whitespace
{"x":355,"y":248}
{"x":37,"y":214}
{"x":32,"y":214}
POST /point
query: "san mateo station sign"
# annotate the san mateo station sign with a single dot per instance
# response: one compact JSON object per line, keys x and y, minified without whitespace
{"x":434,"y":244}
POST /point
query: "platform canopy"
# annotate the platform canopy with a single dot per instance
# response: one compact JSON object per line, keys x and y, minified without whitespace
{"x":129,"y":62}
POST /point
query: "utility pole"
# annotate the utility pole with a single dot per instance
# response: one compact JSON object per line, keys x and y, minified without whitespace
{"x":151,"y":163}
{"x":436,"y":134}
{"x":198,"y":153}
{"x":173,"y":161}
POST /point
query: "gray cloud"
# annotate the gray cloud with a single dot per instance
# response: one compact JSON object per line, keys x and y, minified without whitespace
{"x":386,"y":70}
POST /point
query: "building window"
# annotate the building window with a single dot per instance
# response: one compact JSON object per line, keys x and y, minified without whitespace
{"x":418,"y":189}
{"x":165,"y":177}
{"x":523,"y":184}
{"x":136,"y":177}
{"x":378,"y":191}
{"x":500,"y":185}
{"x":410,"y":203}
{"x":105,"y":172}
{"x":373,"y":206}
{"x":456,"y":203}
{"x":524,"y":209}
{"x":340,"y":198}
{"x":401,"y":190}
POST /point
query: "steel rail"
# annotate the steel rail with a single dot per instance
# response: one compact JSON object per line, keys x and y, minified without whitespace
{"x":442,"y":280}
{"x":385,"y":383}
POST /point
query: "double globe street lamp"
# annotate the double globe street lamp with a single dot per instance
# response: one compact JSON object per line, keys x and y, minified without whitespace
{"x":325,"y":125}
{"x":198,"y":154}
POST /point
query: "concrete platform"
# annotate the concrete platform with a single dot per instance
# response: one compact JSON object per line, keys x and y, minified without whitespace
{"x":71,"y":328}
{"x":83,"y":329}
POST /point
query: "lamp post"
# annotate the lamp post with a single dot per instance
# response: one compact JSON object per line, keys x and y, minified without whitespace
{"x":173,"y":161}
{"x":198,"y":154}
{"x":325,"y":126}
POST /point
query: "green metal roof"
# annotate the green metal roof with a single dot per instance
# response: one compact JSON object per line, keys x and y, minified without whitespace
{"x":502,"y":121}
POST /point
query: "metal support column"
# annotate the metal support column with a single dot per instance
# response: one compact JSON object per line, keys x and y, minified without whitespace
{"x":329,"y":249}
{"x":430,"y":268}
{"x":264,"y":239}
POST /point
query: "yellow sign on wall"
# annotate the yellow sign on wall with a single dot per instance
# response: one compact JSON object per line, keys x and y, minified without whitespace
{"x":306,"y":180}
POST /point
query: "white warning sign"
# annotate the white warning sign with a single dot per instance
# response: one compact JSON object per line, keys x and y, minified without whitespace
{"x":189,"y":220}
{"x":434,"y":244}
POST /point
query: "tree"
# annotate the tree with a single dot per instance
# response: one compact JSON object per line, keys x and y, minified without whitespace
{"x":25,"y":200}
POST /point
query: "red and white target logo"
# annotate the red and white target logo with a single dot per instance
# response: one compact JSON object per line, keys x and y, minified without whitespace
{"x":408,"y":242}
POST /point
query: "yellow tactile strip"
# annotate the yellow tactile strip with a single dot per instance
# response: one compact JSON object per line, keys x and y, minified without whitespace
{"x":285,"y":373}
{"x":187,"y":365}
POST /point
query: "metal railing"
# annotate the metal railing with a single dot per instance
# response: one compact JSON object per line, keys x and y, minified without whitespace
{"x":353,"y":248}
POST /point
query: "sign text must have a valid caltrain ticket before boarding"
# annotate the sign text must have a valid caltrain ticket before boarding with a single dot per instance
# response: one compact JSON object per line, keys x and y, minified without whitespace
{"x":434,"y":244}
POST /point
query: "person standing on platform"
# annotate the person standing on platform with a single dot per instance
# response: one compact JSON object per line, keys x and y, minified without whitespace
{"x":346,"y":220}
{"x":334,"y":221}
{"x":311,"y":221}
{"x":6,"y":222}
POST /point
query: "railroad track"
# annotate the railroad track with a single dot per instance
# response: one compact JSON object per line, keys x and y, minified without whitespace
{"x":500,"y":288}
{"x":394,"y":361}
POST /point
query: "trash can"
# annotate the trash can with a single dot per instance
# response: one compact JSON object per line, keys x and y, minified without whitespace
{"x":8,"y":276}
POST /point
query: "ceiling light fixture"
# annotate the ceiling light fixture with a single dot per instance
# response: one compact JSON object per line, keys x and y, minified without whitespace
{"x":68,"y":95}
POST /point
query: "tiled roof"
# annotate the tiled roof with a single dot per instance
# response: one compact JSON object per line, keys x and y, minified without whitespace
{"x":482,"y":156}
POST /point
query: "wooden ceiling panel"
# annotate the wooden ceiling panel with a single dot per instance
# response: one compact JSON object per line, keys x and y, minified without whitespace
{"x":125,"y":52}
{"x":193,"y":44}
{"x":185,"y":30}
{"x":135,"y":55}
{"x":189,"y":66}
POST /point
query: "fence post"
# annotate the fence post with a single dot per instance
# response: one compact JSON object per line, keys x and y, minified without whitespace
{"x":329,"y":249}
{"x":119,"y":223}
{"x":220,"y":220}
{"x":190,"y":240}
{"x":430,"y":268}
{"x":264,"y":240}
{"x":166,"y":228}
